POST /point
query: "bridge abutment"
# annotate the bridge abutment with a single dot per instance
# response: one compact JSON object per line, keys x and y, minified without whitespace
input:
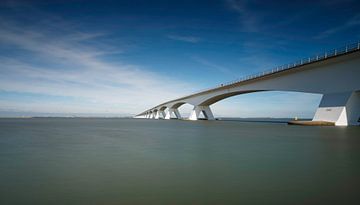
{"x":340,"y":108}
{"x":201,"y":109}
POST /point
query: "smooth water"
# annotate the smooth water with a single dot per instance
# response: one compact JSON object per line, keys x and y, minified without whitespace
{"x":130,"y":161}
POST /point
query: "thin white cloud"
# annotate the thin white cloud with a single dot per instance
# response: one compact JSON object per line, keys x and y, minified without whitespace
{"x":62,"y":62}
{"x":211,"y":65}
{"x":188,"y":39}
{"x":66,"y":66}
{"x":249,"y":20}
{"x":353,"y":22}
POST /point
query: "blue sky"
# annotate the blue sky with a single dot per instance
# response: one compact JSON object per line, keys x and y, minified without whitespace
{"x":118,"y":58}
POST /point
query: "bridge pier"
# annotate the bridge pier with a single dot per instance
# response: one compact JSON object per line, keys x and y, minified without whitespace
{"x":170,"y":111}
{"x":157,"y":115}
{"x":201,"y":109}
{"x":340,"y":108}
{"x":162,"y":114}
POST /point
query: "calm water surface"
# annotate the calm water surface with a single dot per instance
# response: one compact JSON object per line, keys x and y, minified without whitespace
{"x":128,"y":161}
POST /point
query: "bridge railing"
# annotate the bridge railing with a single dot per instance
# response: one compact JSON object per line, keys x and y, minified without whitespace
{"x":319,"y":57}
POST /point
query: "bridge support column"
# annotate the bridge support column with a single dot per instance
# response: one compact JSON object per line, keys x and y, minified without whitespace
{"x":340,"y":108}
{"x":201,"y":109}
{"x":157,"y":115}
{"x":162,"y":114}
{"x":170,"y":111}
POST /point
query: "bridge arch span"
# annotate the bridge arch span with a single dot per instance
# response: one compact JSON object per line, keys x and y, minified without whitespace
{"x":214,"y":99}
{"x":172,"y":109}
{"x":177,"y":105}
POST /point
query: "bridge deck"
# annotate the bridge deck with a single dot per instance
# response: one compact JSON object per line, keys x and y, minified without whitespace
{"x":279,"y":69}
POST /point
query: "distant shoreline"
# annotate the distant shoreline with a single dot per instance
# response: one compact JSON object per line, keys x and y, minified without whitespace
{"x":260,"y":119}
{"x":37,"y":117}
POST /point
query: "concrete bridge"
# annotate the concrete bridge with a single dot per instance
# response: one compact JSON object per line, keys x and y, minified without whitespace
{"x":335,"y":74}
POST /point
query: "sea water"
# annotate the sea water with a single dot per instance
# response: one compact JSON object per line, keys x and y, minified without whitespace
{"x":135,"y":161}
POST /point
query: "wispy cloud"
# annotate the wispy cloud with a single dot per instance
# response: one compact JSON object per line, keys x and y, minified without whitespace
{"x":188,"y":39}
{"x":352,"y":22}
{"x":66,"y":64}
{"x":249,"y":20}
{"x":211,"y":65}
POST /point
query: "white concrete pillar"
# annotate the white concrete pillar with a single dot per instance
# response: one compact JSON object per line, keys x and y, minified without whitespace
{"x":201,"y":109}
{"x":341,"y":108}
{"x":162,"y":114}
{"x":168,"y":114}
{"x":177,"y":113}
{"x":170,"y":111}
{"x":151,"y":115}
{"x":157,"y":114}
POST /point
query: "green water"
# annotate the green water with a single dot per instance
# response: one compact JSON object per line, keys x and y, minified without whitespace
{"x":128,"y":161}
